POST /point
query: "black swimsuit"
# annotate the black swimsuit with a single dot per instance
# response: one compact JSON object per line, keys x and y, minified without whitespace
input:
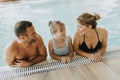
{"x":84,"y":47}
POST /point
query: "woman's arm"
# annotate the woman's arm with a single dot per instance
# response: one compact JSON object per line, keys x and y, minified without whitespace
{"x":104,"y":35}
{"x":77,"y":41}
{"x":104,"y":41}
{"x":70,"y":47}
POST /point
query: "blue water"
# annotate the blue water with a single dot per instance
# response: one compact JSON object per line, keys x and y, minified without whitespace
{"x":41,"y":11}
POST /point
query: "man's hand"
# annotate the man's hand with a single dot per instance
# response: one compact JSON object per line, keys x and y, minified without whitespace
{"x":22,"y":63}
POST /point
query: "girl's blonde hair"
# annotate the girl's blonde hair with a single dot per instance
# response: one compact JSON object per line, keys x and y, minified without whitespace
{"x":54,"y":25}
{"x":88,"y":19}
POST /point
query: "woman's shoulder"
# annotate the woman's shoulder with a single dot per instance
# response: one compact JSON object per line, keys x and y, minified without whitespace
{"x":102,"y":30}
{"x":77,"y":34}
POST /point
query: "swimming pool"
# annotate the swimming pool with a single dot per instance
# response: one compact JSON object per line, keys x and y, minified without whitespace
{"x":41,"y":11}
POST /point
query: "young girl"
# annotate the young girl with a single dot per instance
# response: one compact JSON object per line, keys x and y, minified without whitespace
{"x":60,"y":46}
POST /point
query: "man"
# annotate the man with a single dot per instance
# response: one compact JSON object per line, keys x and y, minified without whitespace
{"x":27,"y":49}
{"x":7,"y":0}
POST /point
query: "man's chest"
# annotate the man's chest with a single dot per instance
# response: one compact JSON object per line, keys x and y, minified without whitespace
{"x":27,"y":52}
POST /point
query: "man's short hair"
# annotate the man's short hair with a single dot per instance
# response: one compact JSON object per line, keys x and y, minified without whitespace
{"x":21,"y":27}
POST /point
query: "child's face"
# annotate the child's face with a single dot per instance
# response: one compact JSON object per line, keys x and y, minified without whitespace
{"x":60,"y":33}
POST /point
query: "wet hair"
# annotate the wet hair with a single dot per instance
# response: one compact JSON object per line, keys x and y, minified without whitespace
{"x":88,"y":19}
{"x":54,"y":25}
{"x":21,"y":27}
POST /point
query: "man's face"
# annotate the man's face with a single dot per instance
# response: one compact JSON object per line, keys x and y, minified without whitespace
{"x":31,"y":34}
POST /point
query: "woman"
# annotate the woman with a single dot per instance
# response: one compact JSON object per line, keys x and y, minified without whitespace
{"x":90,"y":41}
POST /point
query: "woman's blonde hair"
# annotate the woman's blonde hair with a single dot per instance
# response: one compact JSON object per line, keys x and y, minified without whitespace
{"x":54,"y":25}
{"x":88,"y":19}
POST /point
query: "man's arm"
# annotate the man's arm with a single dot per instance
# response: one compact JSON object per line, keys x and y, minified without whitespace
{"x":42,"y":53}
{"x":9,"y":54}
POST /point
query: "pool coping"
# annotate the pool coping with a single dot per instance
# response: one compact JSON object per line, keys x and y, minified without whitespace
{"x":110,"y":49}
{"x":5,"y":70}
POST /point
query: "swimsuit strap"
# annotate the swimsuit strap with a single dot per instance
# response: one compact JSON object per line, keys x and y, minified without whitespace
{"x":54,"y":42}
{"x":97,"y":35}
{"x":66,"y":41}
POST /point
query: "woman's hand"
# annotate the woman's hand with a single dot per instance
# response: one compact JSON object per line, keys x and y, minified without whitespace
{"x":98,"y":57}
{"x":92,"y":57}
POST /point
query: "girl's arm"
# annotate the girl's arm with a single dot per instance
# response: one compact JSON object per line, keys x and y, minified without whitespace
{"x":51,"y":51}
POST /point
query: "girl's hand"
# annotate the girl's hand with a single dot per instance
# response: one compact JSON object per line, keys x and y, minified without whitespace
{"x":63,"y":59}
{"x":68,"y":59}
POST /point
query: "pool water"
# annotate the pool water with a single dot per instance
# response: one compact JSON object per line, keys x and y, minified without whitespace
{"x":40,"y":12}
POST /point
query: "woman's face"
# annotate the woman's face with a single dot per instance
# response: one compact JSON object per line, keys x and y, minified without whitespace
{"x":82,"y":29}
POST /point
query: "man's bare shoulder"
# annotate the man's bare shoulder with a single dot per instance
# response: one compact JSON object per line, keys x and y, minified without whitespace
{"x":39,"y":38}
{"x":40,"y":41}
{"x":11,"y":47}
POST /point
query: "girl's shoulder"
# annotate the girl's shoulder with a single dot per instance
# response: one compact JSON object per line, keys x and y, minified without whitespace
{"x":50,"y":43}
{"x":68,"y":38}
{"x":51,"y":40}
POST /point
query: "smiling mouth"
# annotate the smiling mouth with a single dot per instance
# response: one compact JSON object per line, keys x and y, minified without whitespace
{"x":34,"y":38}
{"x":63,"y":35}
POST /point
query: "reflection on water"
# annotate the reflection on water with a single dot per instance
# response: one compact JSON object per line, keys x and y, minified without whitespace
{"x":67,"y":11}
